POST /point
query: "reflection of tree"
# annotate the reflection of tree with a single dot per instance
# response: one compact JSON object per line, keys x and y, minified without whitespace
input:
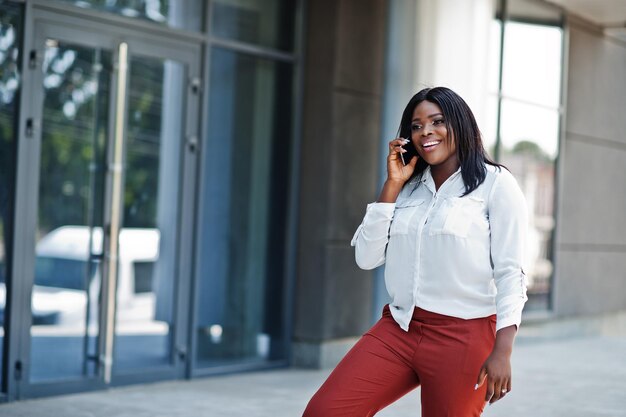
{"x":74,"y":129}
{"x":75,"y":125}
{"x":144,"y":136}
{"x":154,"y":10}
{"x":9,"y":75}
{"x":530,"y":148}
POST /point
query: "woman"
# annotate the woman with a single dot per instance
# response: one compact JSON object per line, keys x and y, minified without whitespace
{"x":450,"y":227}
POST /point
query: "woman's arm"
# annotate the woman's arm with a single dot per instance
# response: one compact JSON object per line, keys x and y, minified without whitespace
{"x":371,"y":238}
{"x":508,"y":221}
{"x":391,"y":190}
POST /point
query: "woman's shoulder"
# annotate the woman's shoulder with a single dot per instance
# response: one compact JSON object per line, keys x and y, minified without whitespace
{"x":499,"y":173}
{"x":501,"y":181}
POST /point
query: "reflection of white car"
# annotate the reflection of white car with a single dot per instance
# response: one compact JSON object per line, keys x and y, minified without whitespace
{"x":67,"y":272}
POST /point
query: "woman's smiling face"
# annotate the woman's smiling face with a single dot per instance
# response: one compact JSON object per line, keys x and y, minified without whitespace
{"x":429,"y":134}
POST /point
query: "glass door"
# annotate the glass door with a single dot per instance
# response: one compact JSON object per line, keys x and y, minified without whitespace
{"x":113,"y":122}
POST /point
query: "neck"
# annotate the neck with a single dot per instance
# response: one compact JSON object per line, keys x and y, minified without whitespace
{"x":443,"y":171}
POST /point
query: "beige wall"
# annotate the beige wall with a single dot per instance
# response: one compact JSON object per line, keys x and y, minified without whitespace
{"x":452,"y":48}
{"x":591,"y":237}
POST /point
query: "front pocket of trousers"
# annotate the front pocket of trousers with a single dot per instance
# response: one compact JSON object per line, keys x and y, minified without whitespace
{"x":481,"y":342}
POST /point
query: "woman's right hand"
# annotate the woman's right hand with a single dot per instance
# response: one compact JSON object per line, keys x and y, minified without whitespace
{"x":397,"y":172}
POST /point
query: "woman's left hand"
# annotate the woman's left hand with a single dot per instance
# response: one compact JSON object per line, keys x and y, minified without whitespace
{"x":497,"y":367}
{"x":497,"y":370}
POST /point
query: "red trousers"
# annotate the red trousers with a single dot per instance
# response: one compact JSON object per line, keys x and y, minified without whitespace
{"x":442,"y":354}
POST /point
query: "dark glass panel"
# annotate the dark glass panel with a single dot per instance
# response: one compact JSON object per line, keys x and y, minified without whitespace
{"x":243,"y":224}
{"x":268,"y":23}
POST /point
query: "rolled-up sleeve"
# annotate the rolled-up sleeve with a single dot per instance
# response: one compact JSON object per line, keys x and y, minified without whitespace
{"x":508,"y":219}
{"x":371,"y":237}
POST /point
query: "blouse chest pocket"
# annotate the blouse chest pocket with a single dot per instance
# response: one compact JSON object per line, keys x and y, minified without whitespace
{"x":456,"y":215}
{"x":404,"y":213}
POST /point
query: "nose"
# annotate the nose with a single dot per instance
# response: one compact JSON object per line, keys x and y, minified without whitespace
{"x":427,"y":129}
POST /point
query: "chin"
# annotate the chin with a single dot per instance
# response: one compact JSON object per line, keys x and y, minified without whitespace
{"x":431,"y":161}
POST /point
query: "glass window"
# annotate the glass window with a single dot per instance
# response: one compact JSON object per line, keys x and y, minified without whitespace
{"x":179,"y":14}
{"x":10,"y":38}
{"x":243,"y":222}
{"x":532,"y":63}
{"x":60,"y":273}
{"x":268,"y":23}
{"x":143,"y":273}
{"x":529,"y":128}
{"x":525,"y":122}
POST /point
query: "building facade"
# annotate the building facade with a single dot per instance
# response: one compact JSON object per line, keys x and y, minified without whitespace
{"x":180,"y":180}
{"x":147,"y":190}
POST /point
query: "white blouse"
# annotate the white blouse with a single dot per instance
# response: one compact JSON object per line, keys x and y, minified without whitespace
{"x":452,"y":255}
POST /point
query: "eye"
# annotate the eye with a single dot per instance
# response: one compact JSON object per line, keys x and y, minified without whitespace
{"x":438,"y":122}
{"x":415,"y":128}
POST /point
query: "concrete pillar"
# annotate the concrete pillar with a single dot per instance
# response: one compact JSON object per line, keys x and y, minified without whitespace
{"x":339,"y":172}
{"x":591,"y":234}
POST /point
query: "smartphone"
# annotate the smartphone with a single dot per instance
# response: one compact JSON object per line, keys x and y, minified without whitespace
{"x":409,"y":154}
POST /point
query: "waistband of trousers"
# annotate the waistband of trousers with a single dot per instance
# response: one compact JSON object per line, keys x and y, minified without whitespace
{"x":421,"y":314}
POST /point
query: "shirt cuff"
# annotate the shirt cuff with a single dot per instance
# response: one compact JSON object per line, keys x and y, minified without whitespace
{"x":509,"y":320}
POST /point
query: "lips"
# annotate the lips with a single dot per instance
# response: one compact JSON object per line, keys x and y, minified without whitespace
{"x":430,"y":145}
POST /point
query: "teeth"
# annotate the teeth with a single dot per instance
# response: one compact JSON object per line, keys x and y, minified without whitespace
{"x":428,"y":144}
